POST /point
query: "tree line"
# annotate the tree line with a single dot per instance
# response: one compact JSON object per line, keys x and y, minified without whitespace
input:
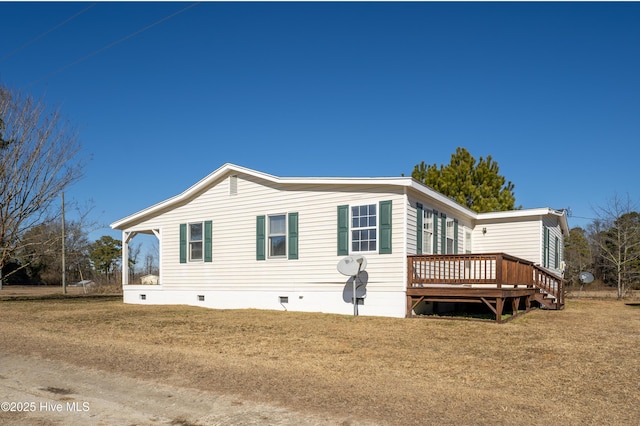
{"x":609,"y":247}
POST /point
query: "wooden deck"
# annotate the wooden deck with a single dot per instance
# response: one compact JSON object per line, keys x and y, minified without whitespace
{"x":496,"y":280}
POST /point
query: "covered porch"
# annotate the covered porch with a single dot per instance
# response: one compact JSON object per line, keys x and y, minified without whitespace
{"x":127,"y":237}
{"x":496,"y":280}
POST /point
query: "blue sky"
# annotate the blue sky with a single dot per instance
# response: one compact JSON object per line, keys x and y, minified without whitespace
{"x":550,"y":90}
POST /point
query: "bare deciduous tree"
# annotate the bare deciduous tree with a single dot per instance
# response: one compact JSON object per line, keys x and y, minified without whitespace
{"x":38,"y":160}
{"x":41,"y":250}
{"x":616,"y":238}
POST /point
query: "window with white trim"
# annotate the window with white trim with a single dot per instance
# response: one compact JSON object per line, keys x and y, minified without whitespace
{"x":467,"y":241}
{"x":450,"y":236}
{"x":277,"y":226}
{"x":195,"y":239}
{"x":427,"y":233}
{"x":364,"y":228}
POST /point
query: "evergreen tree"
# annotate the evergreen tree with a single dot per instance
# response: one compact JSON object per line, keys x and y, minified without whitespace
{"x":105,"y":254}
{"x":475,"y":184}
{"x":577,"y":255}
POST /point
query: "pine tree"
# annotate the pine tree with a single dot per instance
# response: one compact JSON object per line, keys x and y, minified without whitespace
{"x":475,"y":184}
{"x":577,"y":254}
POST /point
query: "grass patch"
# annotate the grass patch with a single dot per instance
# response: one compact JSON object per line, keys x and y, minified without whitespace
{"x":576,"y":366}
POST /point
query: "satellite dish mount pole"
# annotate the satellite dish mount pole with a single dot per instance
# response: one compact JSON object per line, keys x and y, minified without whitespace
{"x":355,"y":297}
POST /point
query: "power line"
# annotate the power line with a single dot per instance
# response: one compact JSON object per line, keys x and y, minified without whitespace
{"x":115,"y":43}
{"x":30,"y":42}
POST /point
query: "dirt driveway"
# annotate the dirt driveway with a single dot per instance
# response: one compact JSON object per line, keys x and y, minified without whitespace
{"x":34,"y":391}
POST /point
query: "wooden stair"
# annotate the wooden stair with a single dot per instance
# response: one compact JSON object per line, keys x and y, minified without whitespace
{"x":547,"y":301}
{"x":550,"y":294}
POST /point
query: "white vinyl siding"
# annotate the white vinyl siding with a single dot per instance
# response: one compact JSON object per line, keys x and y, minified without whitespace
{"x":235,"y":238}
{"x":520,"y":238}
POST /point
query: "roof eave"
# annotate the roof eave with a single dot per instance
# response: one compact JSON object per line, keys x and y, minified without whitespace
{"x":229,"y":168}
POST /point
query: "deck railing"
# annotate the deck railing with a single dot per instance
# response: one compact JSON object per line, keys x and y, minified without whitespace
{"x":497,"y":269}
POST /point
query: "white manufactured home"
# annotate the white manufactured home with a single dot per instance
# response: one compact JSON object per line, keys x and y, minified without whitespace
{"x":241,"y":238}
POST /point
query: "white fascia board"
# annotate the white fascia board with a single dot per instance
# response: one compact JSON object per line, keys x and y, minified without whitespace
{"x":562,"y":215}
{"x":514,"y":213}
{"x":450,"y":202}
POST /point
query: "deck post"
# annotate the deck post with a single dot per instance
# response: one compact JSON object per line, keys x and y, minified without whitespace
{"x":499,"y":307}
{"x":515,"y":304}
{"x":499,"y":279}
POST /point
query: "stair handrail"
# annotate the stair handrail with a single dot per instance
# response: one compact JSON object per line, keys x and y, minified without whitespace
{"x":549,"y":283}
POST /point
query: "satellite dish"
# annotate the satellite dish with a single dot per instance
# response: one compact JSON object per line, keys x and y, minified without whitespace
{"x":585,"y":277}
{"x":352,"y":265}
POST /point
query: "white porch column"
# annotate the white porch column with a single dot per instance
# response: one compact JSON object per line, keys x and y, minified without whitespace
{"x":126,"y":237}
{"x":125,"y":258}
{"x":156,"y":232}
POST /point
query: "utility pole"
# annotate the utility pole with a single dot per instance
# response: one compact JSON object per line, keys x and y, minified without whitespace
{"x":64,"y":269}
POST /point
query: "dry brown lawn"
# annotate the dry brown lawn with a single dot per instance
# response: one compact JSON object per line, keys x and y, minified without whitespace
{"x":572,"y":367}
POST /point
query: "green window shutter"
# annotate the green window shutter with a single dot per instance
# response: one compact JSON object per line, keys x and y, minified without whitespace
{"x":293,"y":236}
{"x":385,"y":227}
{"x":260,"y":237}
{"x":419,"y":218}
{"x":556,"y":256}
{"x":443,"y":234}
{"x":455,"y":236}
{"x":183,"y":243}
{"x":343,"y":230}
{"x":435,"y":232}
{"x":208,"y":241}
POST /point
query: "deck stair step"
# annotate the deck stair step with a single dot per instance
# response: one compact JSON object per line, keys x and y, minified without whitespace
{"x":547,"y":301}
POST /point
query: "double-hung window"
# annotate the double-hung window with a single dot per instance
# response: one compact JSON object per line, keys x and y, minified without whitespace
{"x":427,"y":238}
{"x":278,"y":235}
{"x":195,"y":241}
{"x":365,"y":228}
{"x":450,"y":236}
{"x":364,"y":233}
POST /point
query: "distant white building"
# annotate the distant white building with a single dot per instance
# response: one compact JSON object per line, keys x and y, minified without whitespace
{"x":241,"y":238}
{"x":150,"y":279}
